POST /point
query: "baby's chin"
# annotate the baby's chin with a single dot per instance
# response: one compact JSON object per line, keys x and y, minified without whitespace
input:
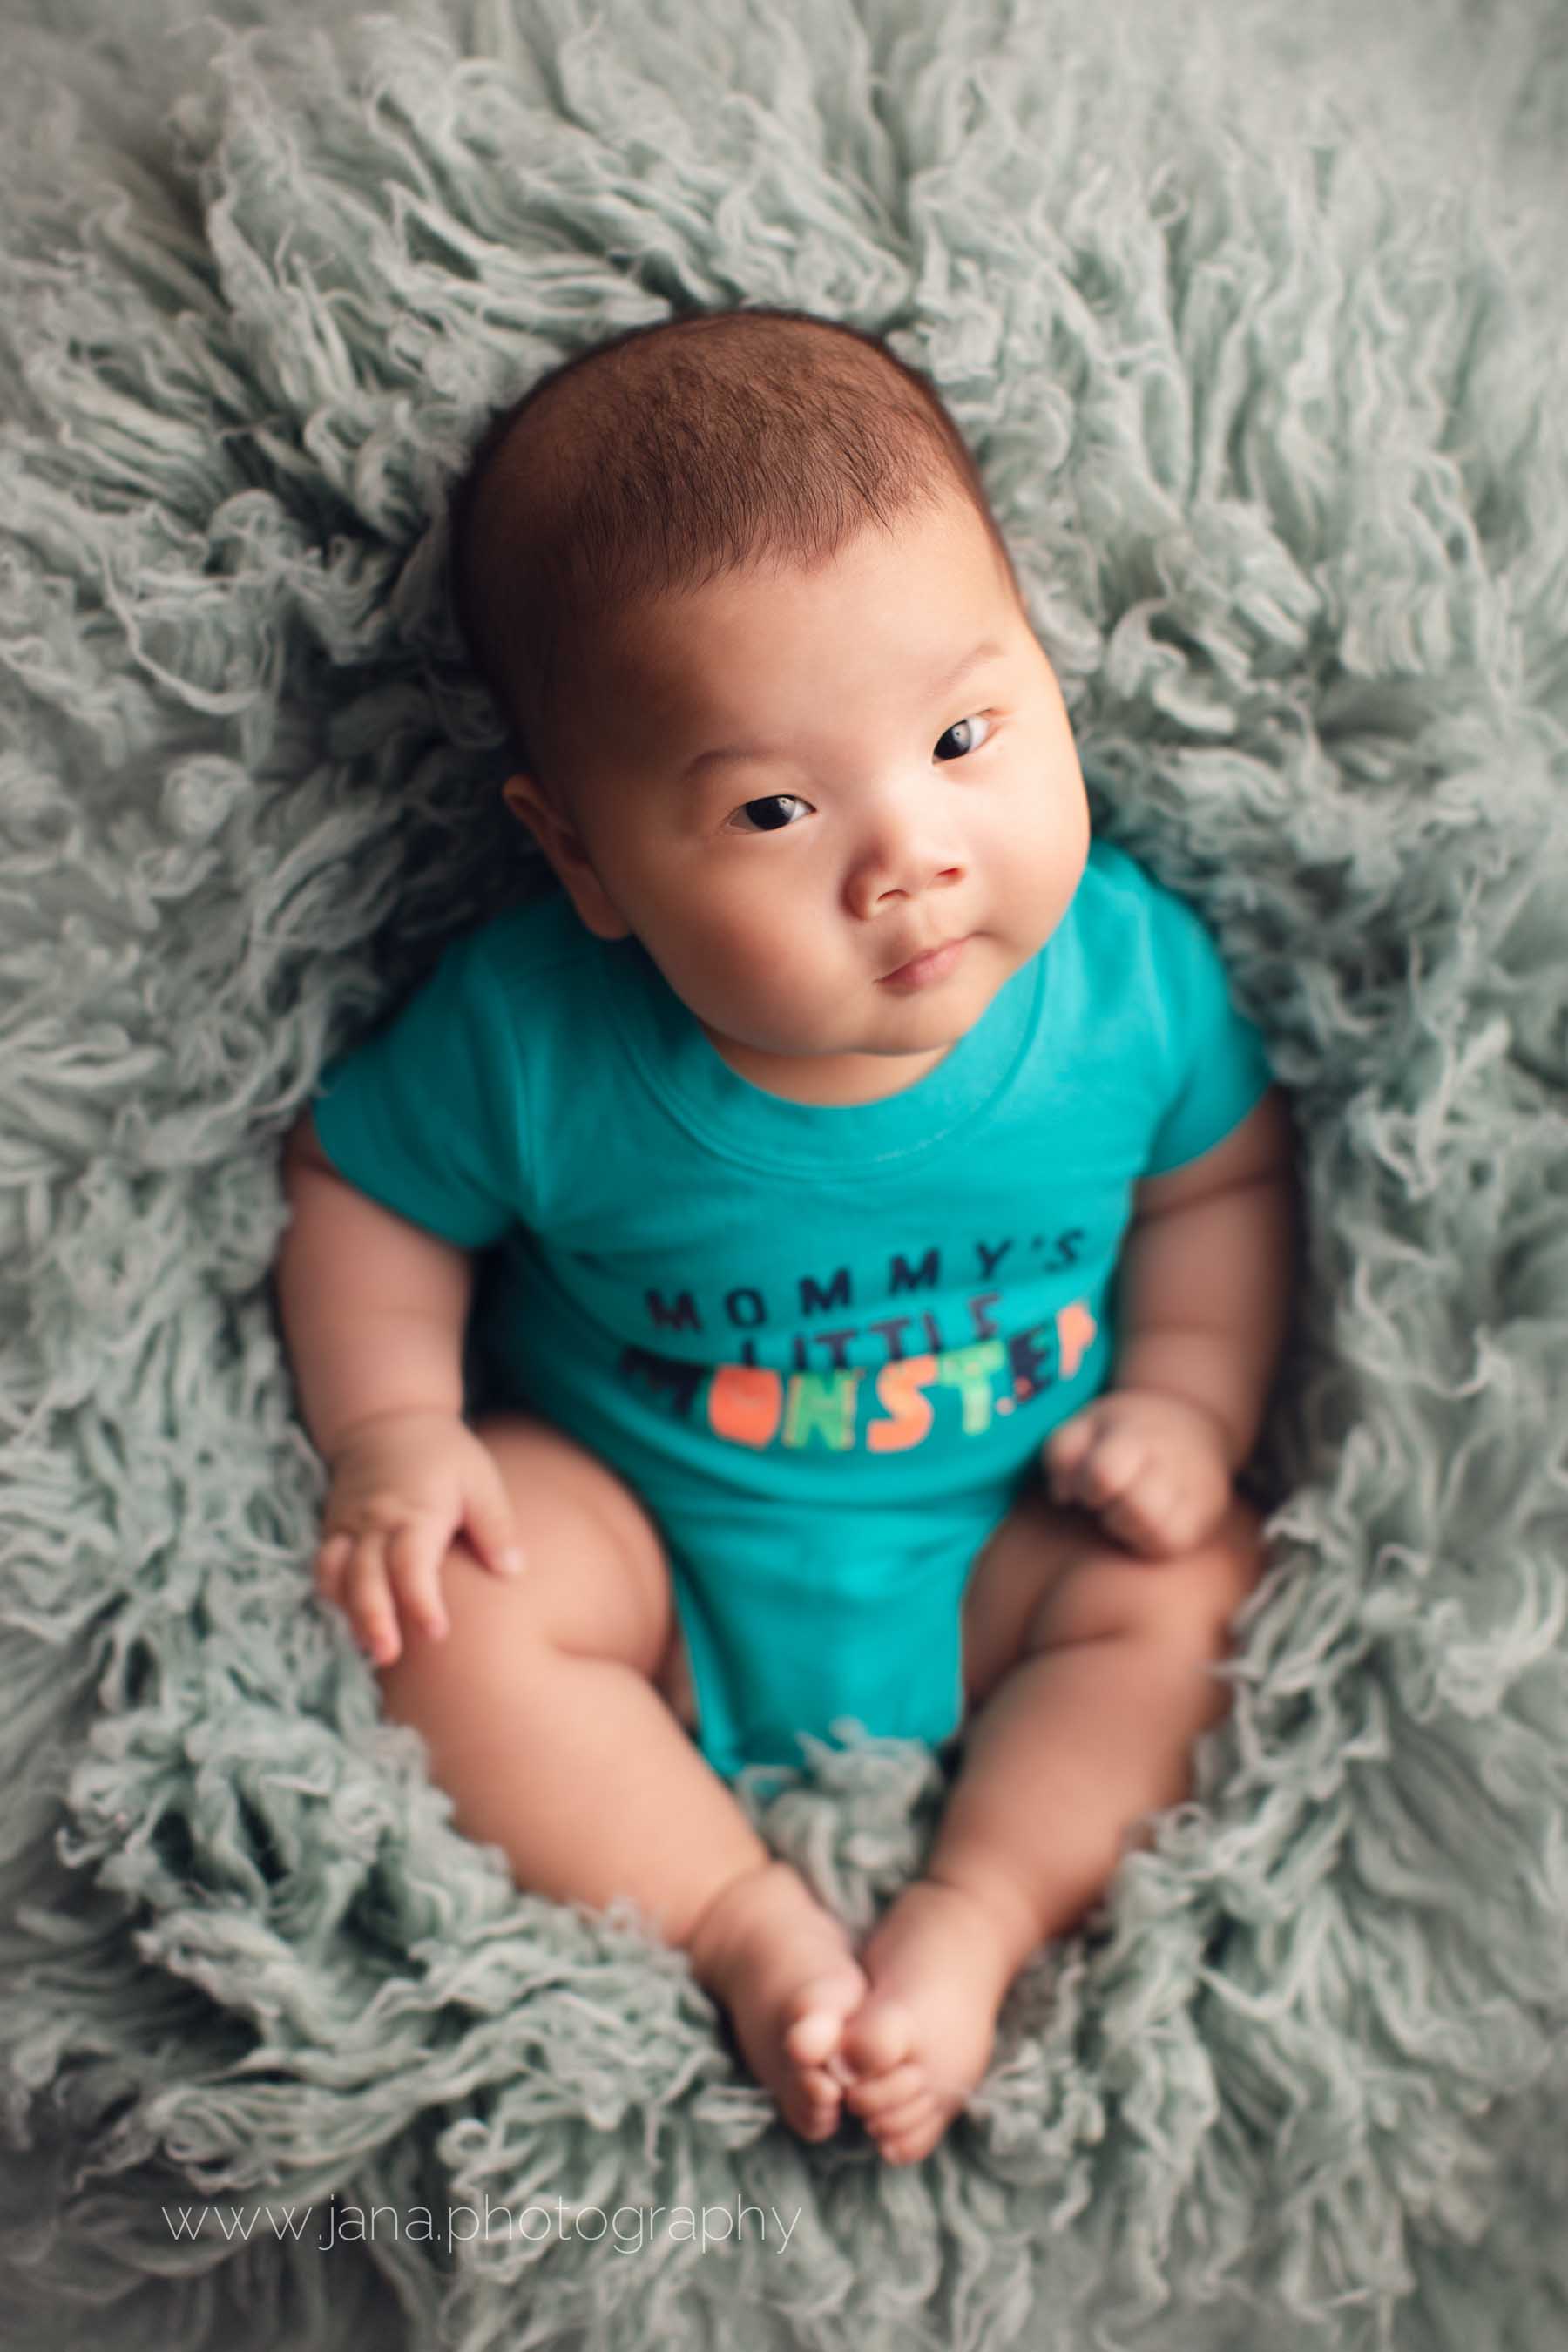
{"x":915,"y":1033}
{"x":836,"y":1073}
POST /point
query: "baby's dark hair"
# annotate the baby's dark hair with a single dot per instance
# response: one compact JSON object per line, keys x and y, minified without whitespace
{"x":669,"y":455}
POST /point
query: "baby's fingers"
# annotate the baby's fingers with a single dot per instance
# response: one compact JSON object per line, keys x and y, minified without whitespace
{"x":490,"y":1524}
{"x":413,"y":1563}
{"x":368,"y":1600}
{"x":1063,"y":1452}
{"x":333,"y":1556}
{"x":1143,"y":1518}
{"x":1109,"y":1468}
{"x":1087,"y":1462}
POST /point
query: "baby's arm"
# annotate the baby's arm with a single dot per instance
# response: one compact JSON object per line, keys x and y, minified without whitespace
{"x":374,"y":1309}
{"x":1204,"y":1299}
{"x":1207,"y":1276}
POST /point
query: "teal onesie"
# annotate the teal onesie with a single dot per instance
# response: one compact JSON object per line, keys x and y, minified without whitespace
{"x":823,"y":1343}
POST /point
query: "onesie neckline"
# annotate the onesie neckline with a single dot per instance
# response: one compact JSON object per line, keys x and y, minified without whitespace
{"x":685,"y":1073}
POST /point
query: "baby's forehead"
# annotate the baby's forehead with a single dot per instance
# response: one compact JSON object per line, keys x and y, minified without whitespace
{"x":672,"y":641}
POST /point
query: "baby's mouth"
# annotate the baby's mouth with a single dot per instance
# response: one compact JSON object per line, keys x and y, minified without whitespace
{"x":923,"y":970}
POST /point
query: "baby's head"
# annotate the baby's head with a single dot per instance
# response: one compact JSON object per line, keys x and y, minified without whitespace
{"x":778,"y":707}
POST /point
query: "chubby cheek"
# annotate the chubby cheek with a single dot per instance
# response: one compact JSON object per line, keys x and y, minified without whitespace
{"x":776,"y":952}
{"x":1041,"y":864}
{"x":750,"y":949}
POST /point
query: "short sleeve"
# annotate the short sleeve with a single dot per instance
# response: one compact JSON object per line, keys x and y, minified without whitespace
{"x":1217,"y":1062}
{"x":426,"y":1114}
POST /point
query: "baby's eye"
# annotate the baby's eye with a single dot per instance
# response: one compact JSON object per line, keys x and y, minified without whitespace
{"x":966,"y":727}
{"x":765,"y":813}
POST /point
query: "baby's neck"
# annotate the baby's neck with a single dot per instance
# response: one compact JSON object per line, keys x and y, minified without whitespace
{"x":828,"y":1079}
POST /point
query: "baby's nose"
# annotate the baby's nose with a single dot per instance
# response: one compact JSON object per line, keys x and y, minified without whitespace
{"x":907,"y":870}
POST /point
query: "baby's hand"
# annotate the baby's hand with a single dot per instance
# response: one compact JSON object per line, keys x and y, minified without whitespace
{"x":403,"y":1485}
{"x":1153,"y":1466}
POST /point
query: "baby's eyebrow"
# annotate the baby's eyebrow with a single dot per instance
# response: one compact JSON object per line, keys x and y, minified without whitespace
{"x":722,"y":754}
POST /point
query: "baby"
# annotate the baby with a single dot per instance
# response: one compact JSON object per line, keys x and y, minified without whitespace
{"x":891,"y":1221}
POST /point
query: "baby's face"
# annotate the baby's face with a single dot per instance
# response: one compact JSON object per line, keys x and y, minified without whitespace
{"x":787,"y":791}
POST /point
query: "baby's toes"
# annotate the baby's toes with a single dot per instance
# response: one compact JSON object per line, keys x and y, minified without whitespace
{"x":878,"y":2037}
{"x":812,"y":2038}
{"x":911,"y":2131}
{"x":814,"y":2032}
{"x":818,"y":2105}
{"x":879,"y":2094}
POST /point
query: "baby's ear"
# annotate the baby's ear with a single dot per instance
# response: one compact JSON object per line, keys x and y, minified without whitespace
{"x":532,"y":806}
{"x":562,"y":847}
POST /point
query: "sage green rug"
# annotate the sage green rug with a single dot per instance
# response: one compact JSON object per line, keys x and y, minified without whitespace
{"x":1254,"y":316}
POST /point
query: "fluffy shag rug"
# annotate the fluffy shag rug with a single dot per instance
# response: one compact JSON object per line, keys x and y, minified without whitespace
{"x":1253,"y":318}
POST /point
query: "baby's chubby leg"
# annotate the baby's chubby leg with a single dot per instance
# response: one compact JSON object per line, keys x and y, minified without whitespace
{"x":545,"y":1724}
{"x":1088,"y":1675}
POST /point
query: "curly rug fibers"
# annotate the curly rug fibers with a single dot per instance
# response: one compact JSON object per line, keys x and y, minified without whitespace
{"x":1253,"y":318}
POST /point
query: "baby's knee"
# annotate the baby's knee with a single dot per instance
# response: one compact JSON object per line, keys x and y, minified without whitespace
{"x":595,"y":1549}
{"x":595,"y":1580}
{"x":1234,"y":1561}
{"x":1188,"y":1604}
{"x":1196,"y":1599}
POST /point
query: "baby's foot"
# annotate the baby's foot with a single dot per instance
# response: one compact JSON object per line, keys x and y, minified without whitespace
{"x":940,"y":1963}
{"x":786,"y":1973}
